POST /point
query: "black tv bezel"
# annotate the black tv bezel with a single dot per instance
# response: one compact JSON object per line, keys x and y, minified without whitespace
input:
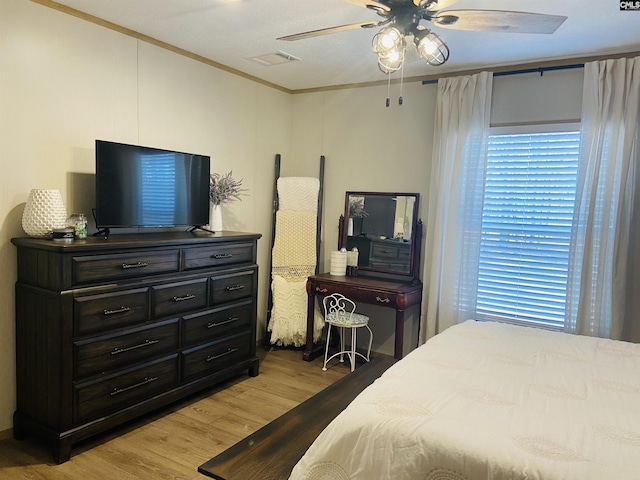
{"x":106,"y":227}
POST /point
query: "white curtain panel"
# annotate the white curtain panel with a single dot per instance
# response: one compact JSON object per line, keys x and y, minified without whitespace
{"x":599,"y":255}
{"x":455,"y":202}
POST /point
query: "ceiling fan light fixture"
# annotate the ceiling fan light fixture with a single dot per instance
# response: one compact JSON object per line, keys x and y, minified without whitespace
{"x":392,"y":61}
{"x":388,"y":39}
{"x":431,"y":47}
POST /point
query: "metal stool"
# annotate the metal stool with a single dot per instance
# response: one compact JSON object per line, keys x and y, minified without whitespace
{"x":339,"y":311}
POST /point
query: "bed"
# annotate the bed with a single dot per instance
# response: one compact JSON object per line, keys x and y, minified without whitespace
{"x":485,"y":400}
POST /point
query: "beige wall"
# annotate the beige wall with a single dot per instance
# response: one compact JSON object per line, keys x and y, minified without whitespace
{"x":368,"y":147}
{"x":65,"y":82}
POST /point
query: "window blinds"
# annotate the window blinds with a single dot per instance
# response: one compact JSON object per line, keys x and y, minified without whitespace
{"x":526,"y":227}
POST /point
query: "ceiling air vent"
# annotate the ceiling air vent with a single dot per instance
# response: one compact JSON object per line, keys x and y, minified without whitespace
{"x":277,"y":58}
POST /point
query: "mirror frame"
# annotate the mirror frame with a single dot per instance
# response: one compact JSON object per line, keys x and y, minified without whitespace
{"x":416,"y":239}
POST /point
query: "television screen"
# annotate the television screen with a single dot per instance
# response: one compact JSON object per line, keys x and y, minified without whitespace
{"x":148,"y":187}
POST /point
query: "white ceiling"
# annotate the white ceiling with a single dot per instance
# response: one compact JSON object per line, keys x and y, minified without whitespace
{"x":231,"y":32}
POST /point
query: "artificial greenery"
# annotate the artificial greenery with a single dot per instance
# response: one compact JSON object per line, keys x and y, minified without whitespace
{"x":356,"y":208}
{"x":224,"y":188}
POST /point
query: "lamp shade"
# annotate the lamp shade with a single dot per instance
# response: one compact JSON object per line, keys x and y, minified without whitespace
{"x":43,"y":212}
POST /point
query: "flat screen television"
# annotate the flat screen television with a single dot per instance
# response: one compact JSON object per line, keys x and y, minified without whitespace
{"x":140,"y":186}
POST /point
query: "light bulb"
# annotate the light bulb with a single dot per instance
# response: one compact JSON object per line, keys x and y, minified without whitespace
{"x":388,"y":39}
{"x":393,"y":56}
{"x":426,"y":46}
{"x":391,"y":61}
{"x":431,"y":47}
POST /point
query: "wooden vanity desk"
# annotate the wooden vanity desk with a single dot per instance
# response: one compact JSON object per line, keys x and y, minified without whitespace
{"x":385,"y":229}
{"x":381,"y":292}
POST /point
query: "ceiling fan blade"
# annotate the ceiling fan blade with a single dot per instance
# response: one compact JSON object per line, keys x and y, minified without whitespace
{"x":498,"y":21}
{"x":434,"y":5}
{"x":371,"y":4}
{"x":328,"y":31}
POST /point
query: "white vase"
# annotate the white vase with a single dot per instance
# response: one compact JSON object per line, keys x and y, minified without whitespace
{"x":350,"y":227}
{"x":43,"y":212}
{"x":215,"y":218}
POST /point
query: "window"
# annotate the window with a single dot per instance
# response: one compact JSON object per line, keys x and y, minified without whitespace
{"x":526,"y":225}
{"x":159,"y":188}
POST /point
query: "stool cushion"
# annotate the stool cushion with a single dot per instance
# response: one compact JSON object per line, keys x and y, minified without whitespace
{"x":344,"y":319}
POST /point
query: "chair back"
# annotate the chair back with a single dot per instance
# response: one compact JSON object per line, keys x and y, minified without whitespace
{"x":338,"y":308}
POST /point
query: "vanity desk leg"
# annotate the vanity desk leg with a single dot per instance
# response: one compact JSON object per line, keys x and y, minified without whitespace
{"x":398,"y":348}
{"x":311,"y":351}
{"x":307,"y":356}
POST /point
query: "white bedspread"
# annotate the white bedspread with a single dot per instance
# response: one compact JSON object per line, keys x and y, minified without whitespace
{"x":491,"y":401}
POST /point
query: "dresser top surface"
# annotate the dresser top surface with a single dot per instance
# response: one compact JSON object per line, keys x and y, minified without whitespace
{"x":367,"y":282}
{"x":120,"y":241}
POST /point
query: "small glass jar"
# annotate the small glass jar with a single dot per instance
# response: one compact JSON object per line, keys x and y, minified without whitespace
{"x":78,"y":222}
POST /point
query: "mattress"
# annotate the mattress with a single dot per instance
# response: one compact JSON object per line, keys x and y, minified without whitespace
{"x":485,"y":400}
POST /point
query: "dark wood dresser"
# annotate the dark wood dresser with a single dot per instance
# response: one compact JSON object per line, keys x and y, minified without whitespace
{"x":111,"y":329}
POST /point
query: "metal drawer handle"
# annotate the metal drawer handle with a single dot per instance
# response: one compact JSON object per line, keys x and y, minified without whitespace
{"x":234,"y":288}
{"x":386,"y":251}
{"x":182,"y":299}
{"x":133,"y":265}
{"x":383,"y":300}
{"x":117,"y":310}
{"x":321,"y":290}
{"x":118,"y":391}
{"x":218,"y":256}
{"x":224,"y":322}
{"x":146,"y":343}
{"x":215,"y":357}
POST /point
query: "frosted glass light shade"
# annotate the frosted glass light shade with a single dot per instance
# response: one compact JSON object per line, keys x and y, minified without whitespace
{"x":43,"y":212}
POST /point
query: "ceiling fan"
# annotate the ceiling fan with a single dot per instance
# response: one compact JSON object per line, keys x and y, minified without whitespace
{"x":409,"y":18}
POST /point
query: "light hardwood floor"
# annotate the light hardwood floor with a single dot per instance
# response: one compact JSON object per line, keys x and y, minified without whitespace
{"x":172,"y":443}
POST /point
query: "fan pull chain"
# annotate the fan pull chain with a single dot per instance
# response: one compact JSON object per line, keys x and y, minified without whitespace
{"x":388,"y":89}
{"x":401,"y":80}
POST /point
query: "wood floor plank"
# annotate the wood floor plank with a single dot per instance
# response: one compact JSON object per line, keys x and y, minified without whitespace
{"x":174,"y":441}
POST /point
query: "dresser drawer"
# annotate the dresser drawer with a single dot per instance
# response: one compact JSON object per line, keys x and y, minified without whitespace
{"x":356,"y":294}
{"x":391,"y":266}
{"x":217,"y":255}
{"x":99,"y":313}
{"x":207,"y":359}
{"x":99,"y":268}
{"x":98,"y":398}
{"x":384,"y":251}
{"x":235,"y":286}
{"x":205,"y":327}
{"x":404,"y":255}
{"x":138,"y":345}
{"x":175,"y":298}
{"x":377,"y":298}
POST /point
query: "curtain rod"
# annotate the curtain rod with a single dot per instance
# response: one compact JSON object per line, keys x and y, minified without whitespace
{"x":539,"y":70}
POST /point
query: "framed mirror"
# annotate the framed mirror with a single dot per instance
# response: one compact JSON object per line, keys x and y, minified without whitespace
{"x":385,"y":229}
